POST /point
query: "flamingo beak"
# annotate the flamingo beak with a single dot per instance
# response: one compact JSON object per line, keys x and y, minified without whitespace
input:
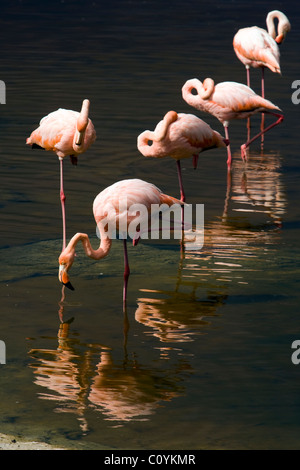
{"x":64,"y":277}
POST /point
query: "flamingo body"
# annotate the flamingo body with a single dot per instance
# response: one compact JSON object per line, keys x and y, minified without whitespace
{"x":179,"y":136}
{"x":111,"y":208}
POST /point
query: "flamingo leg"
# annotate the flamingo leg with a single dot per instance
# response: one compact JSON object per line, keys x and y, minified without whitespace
{"x":244,"y":146}
{"x":248,"y":76}
{"x":62,"y":199}
{"x":182,"y":195}
{"x":126,"y":271}
{"x":229,"y":158}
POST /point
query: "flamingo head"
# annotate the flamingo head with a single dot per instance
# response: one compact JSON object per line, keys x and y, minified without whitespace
{"x":65,"y":262}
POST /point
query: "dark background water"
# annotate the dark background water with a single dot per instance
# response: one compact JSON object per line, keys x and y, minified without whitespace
{"x":203,"y":357}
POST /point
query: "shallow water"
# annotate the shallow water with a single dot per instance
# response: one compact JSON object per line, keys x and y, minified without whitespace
{"x":201,"y":358}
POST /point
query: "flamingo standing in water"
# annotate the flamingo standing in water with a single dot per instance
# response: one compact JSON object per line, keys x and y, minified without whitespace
{"x":115,"y":208}
{"x":179,"y":136}
{"x":256,"y":47}
{"x":67,"y":133}
{"x":227,"y":101}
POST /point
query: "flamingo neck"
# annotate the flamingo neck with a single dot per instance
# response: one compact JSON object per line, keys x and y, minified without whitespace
{"x":162,"y":128}
{"x":101,"y":252}
{"x":204,"y":90}
{"x":147,"y":140}
{"x":144,"y":143}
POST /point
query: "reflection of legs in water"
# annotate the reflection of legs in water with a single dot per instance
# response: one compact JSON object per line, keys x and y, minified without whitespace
{"x":61,"y":304}
{"x":262,"y":124}
{"x":62,"y":200}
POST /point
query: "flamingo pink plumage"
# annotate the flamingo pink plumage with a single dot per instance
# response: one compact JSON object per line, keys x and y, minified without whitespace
{"x":112,"y":209}
{"x":256,"y":47}
{"x":67,"y":133}
{"x":179,"y":136}
{"x":227,"y":101}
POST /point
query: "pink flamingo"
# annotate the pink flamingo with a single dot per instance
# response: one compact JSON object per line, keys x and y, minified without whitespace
{"x":179,"y":136}
{"x":64,"y":132}
{"x":256,"y":47}
{"x":227,"y":101}
{"x":115,"y":208}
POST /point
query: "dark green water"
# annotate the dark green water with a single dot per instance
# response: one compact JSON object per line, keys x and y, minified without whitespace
{"x":202,"y":356}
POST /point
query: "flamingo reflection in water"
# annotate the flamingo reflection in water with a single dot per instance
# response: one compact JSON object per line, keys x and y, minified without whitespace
{"x":256,"y":190}
{"x":80,"y":377}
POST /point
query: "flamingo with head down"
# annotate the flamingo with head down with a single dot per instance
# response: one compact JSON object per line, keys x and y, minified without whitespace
{"x":66,"y":133}
{"x":227,"y":101}
{"x":179,"y":136}
{"x":115,"y":208}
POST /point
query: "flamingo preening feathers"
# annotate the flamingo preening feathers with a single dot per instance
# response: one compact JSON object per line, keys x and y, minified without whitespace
{"x":256,"y":47}
{"x":66,"y":133}
{"x":114,"y":208}
{"x":227,"y":101}
{"x":179,"y":136}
